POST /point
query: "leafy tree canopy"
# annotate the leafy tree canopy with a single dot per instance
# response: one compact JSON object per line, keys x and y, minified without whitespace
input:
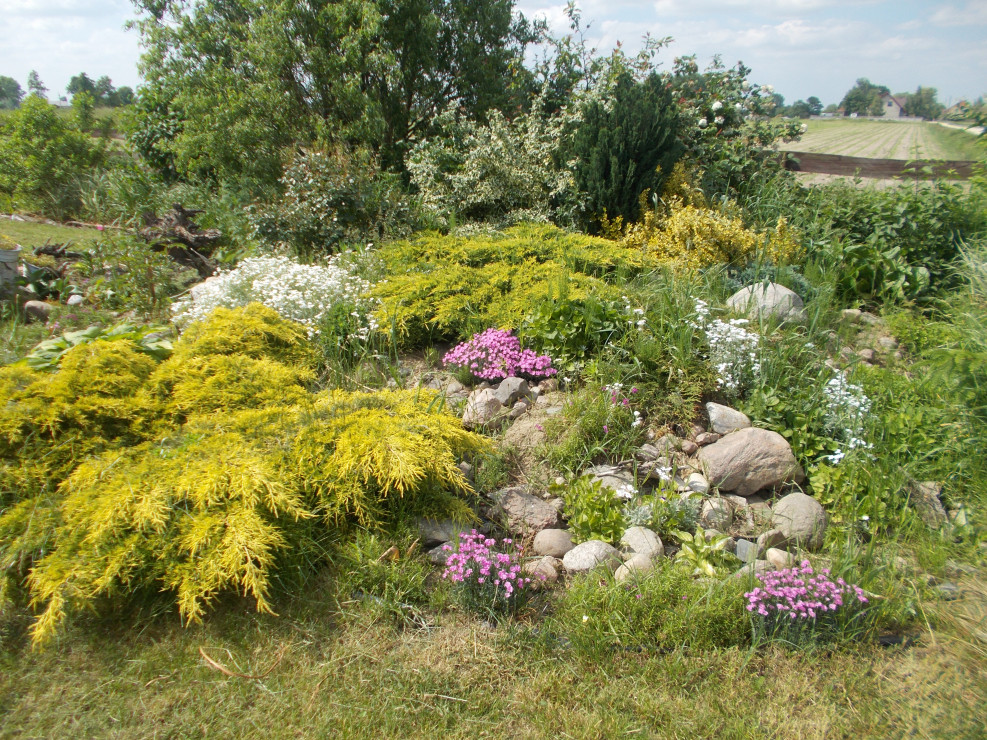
{"x":245,"y":75}
{"x":36,"y":86}
{"x":10,"y":93}
{"x":923,"y":103}
{"x":864,"y":98}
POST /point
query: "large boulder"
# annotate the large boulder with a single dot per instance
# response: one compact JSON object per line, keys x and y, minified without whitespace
{"x":524,"y":512}
{"x":723,"y":419}
{"x":748,"y":460}
{"x":768,"y":301}
{"x":801,"y":519}
{"x":589,"y":555}
{"x":434,"y":532}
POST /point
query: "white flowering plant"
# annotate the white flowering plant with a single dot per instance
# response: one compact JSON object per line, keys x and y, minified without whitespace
{"x":734,"y":350}
{"x":329,"y":300}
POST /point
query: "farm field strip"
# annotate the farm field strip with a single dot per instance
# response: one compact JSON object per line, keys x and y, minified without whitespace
{"x":885,"y":140}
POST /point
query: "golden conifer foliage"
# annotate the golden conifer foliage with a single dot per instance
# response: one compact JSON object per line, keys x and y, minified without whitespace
{"x":202,"y":474}
{"x":458,"y":286}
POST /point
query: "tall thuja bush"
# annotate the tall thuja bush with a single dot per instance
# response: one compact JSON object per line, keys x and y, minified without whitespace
{"x":625,"y":146}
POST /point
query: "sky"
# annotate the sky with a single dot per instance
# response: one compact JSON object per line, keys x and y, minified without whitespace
{"x":802,"y":47}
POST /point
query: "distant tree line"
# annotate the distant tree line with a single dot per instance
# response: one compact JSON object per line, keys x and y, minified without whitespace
{"x":102,"y":91}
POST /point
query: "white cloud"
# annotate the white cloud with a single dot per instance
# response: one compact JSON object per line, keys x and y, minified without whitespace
{"x":971,"y":14}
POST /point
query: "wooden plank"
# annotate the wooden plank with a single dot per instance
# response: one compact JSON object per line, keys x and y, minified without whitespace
{"x":839,"y":164}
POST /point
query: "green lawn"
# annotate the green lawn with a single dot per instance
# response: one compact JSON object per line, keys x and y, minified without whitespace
{"x":30,"y":234}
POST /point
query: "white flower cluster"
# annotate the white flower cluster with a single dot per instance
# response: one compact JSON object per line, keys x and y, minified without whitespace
{"x":847,"y":407}
{"x":636,"y":315}
{"x":625,"y":492}
{"x":303,"y":293}
{"x":733,"y":351}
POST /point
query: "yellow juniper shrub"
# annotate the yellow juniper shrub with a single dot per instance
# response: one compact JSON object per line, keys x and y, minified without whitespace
{"x":203,"y":475}
{"x":450,"y":287}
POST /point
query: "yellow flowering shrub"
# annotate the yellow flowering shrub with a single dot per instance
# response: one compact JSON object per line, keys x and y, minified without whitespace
{"x":694,"y":237}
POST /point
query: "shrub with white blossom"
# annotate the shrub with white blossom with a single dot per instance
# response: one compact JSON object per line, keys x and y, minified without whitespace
{"x":312,"y":295}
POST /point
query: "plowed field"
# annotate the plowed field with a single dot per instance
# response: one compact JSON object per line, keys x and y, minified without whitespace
{"x":886,"y":140}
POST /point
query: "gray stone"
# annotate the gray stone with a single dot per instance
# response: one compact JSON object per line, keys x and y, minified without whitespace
{"x":747,"y":551}
{"x":483,"y":409}
{"x":589,"y":555}
{"x":544,"y":571}
{"x":648,"y":453}
{"x":639,"y":563}
{"x":779,"y":559}
{"x":642,"y":541}
{"x":455,"y":388}
{"x":801,"y":519}
{"x":467,"y":470}
{"x":852,"y":314}
{"x":510,"y":390}
{"x":37,"y":311}
{"x":549,"y":385}
{"x":434,"y":532}
{"x":75,"y":300}
{"x":527,"y":433}
{"x":716,"y":513}
{"x":553,"y":542}
{"x":771,"y":538}
{"x":613,"y":477}
{"x":756,"y":567}
{"x":749,"y":460}
{"x":867,"y":355}
{"x":870,"y":319}
{"x":524,"y":512}
{"x":519,"y":410}
{"x":924,"y":497}
{"x":438,"y":555}
{"x":689,"y":447}
{"x":888,"y":343}
{"x":707,"y":438}
{"x":768,"y":301}
{"x":698,"y":484}
{"x":949,"y":591}
{"x":723,"y":419}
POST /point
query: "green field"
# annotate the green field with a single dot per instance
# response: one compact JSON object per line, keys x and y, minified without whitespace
{"x":887,"y":140}
{"x":31,"y":234}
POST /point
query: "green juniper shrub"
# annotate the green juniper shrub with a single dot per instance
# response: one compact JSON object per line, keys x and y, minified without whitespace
{"x":448,"y":288}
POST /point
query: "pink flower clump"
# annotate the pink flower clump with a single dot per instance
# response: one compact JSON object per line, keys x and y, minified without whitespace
{"x":475,"y":563}
{"x":495,"y":354}
{"x":799,"y":593}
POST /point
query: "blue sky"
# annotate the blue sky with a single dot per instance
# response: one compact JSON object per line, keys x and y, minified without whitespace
{"x":802,"y":47}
